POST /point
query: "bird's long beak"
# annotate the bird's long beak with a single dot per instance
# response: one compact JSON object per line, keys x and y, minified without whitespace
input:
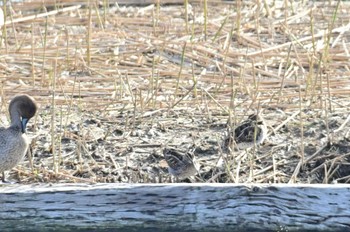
{"x":24,"y":124}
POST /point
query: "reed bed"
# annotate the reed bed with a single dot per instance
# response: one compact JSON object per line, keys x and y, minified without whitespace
{"x":117,"y":80}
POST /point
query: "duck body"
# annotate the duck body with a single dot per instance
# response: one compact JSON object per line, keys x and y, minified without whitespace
{"x":13,"y":147}
{"x":13,"y":140}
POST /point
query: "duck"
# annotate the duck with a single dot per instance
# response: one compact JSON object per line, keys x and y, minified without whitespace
{"x":181,"y":164}
{"x":247,"y":134}
{"x":13,"y":140}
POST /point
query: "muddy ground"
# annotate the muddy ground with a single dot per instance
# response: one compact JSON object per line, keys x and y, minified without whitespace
{"x":117,"y":147}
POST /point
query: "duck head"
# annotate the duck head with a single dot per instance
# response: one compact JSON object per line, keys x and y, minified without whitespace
{"x":22,"y":108}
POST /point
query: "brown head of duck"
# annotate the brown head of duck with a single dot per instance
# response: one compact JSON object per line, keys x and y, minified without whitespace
{"x":22,"y":108}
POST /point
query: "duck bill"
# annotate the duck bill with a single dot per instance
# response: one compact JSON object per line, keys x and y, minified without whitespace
{"x":24,"y":124}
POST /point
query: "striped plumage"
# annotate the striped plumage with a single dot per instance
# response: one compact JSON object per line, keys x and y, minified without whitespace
{"x":180,"y":164}
{"x":247,"y":134}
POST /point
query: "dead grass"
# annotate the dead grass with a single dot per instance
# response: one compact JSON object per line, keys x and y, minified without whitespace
{"x":116,"y":81}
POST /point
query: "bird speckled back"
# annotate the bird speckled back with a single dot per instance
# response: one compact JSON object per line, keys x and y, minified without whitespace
{"x":181,"y":164}
{"x":250,"y":132}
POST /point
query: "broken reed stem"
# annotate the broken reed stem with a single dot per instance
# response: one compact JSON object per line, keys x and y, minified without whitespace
{"x":88,"y":36}
{"x":185,"y":95}
{"x":327,"y":103}
{"x":30,"y":159}
{"x":53,"y":119}
{"x":294,"y":176}
{"x":80,"y":146}
{"x":150,"y":93}
{"x":186,"y":16}
{"x":3,"y":101}
{"x":332,"y":170}
{"x":284,"y":76}
{"x":97,"y":11}
{"x":301,"y":127}
{"x":315,"y":94}
{"x":134,"y":101}
{"x":153,"y":91}
{"x":301,"y":161}
{"x":4,"y":31}
{"x":312,"y":59}
{"x":43,"y":73}
{"x":267,"y":8}
{"x":14,"y":31}
{"x":180,"y":71}
{"x":274,"y":168}
{"x":194,"y":79}
{"x":220,"y":29}
{"x":157,"y":14}
{"x":216,"y":102}
{"x":59,"y":137}
{"x":227,"y":44}
{"x":33,"y":142}
{"x":32,"y":55}
{"x":37,"y":16}
{"x":284,"y":122}
{"x":330,"y":29}
{"x":67,"y":46}
{"x":226,"y":50}
{"x":141,"y":105}
{"x":232,"y":107}
{"x":238,"y":18}
{"x":238,"y":168}
{"x":206,"y":107}
{"x":70,"y":105}
{"x":105,"y":11}
{"x":205,"y":12}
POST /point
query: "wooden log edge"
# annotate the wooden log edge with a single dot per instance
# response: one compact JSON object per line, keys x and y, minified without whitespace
{"x":174,"y":207}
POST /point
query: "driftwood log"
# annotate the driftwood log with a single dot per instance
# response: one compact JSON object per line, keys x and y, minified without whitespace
{"x":174,"y":207}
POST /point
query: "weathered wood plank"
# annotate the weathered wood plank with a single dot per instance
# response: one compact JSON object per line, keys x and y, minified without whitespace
{"x":189,"y":207}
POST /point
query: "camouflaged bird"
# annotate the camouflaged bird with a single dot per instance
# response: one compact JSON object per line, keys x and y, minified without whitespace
{"x":247,"y":134}
{"x":180,"y":164}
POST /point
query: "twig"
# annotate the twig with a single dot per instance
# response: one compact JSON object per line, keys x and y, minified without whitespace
{"x":296,"y":172}
{"x":343,"y":125}
{"x":283,"y":123}
{"x":320,"y":34}
{"x":42,"y":15}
